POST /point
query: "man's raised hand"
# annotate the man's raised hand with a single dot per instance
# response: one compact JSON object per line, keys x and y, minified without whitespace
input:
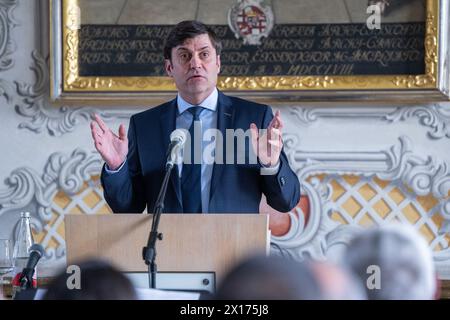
{"x":113,"y":148}
{"x":268,"y":146}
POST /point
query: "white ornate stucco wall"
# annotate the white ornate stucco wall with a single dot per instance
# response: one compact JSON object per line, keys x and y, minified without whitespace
{"x":359,"y":165}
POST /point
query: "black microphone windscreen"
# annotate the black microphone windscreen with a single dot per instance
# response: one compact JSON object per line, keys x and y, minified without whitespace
{"x":37,"y":248}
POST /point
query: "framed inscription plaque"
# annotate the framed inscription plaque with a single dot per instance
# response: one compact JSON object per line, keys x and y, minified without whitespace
{"x":381,"y":50}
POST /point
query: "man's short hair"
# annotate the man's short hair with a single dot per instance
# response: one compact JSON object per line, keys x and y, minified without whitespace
{"x":99,"y":280}
{"x":269,"y":278}
{"x":404,"y":260}
{"x":187,"y":30}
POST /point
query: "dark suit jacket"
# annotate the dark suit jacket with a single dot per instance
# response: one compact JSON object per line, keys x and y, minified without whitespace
{"x":235,"y":188}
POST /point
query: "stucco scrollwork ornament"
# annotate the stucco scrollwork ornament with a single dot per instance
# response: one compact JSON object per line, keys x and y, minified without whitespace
{"x":398,"y":165}
{"x":7,"y":22}
{"x":33,"y":104}
{"x":435,"y":117}
{"x":27,"y":189}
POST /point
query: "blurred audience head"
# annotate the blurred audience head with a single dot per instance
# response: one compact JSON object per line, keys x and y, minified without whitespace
{"x":401,"y":259}
{"x":269,"y":278}
{"x":99,"y":280}
{"x":337,"y":283}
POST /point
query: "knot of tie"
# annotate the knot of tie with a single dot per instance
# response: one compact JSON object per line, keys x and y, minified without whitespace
{"x":195,"y":111}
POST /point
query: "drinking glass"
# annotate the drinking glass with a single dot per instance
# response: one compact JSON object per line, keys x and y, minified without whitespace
{"x":6,"y":263}
{"x":6,"y":266}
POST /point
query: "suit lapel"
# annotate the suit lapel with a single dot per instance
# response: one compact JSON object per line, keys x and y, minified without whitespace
{"x":225,"y":120}
{"x":168,"y":124}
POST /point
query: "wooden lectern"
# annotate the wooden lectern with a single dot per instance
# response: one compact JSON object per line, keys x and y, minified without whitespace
{"x":191,"y":242}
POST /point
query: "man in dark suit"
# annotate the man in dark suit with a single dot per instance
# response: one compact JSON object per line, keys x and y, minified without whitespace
{"x":134,"y":167}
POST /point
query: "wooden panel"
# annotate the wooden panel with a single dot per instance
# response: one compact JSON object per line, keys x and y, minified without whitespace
{"x":194,"y":242}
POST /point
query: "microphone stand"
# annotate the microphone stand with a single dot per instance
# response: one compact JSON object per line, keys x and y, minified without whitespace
{"x":149,"y":252}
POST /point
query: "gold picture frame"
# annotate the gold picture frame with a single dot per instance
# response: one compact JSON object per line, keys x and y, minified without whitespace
{"x":433,"y":85}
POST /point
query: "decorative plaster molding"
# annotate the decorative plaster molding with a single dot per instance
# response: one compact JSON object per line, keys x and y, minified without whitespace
{"x":7,"y":22}
{"x":61,"y":172}
{"x":308,"y":115}
{"x":33,"y":104}
{"x":436,"y":117}
{"x":398,"y":163}
{"x":7,"y":90}
{"x":26,"y":188}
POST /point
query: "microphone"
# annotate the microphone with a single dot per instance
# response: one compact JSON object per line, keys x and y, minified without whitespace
{"x":36,"y":253}
{"x":177,"y":140}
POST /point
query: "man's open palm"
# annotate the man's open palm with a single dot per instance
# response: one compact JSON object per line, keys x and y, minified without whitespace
{"x":113,"y":148}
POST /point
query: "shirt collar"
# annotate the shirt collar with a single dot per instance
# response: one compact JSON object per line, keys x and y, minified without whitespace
{"x":209,"y":103}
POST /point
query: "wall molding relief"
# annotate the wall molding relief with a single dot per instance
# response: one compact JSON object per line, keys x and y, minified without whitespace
{"x":26,"y":188}
{"x":398,"y":163}
{"x":31,"y":102}
{"x":435,"y":117}
{"x":7,"y":22}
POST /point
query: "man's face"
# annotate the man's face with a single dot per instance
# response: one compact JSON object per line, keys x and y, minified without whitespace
{"x":194,"y":67}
